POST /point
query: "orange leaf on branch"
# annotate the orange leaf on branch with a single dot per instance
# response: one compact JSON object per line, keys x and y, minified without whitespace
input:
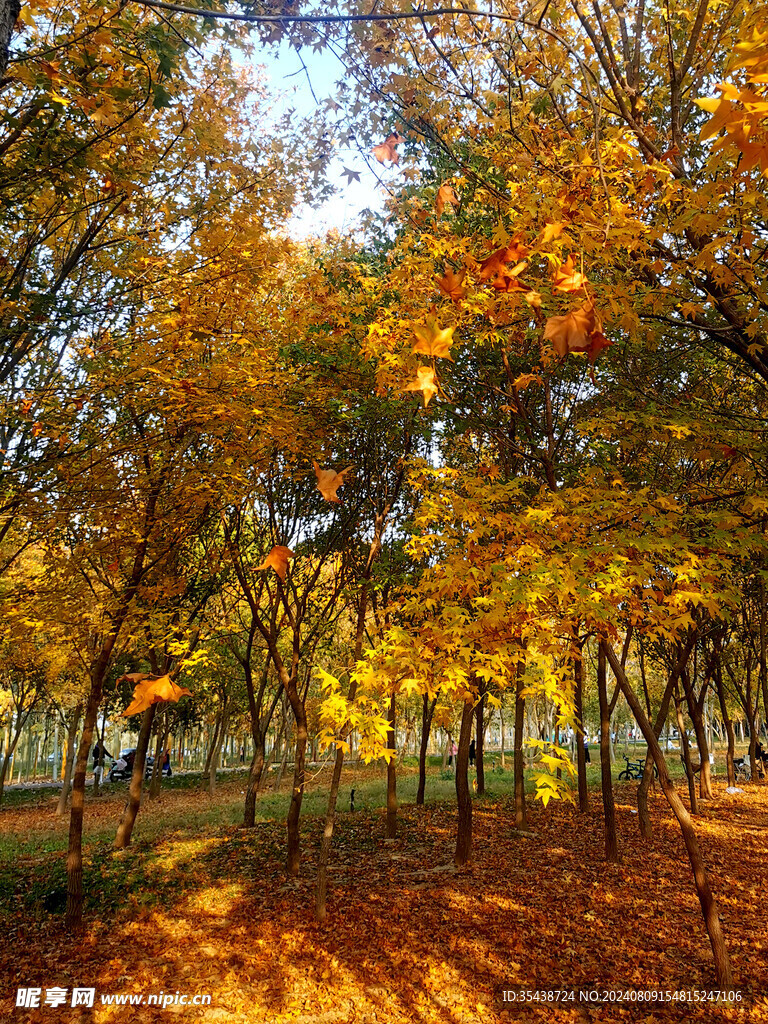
{"x":277,"y":559}
{"x":433,"y":340}
{"x":568,"y":278}
{"x":150,"y":691}
{"x":581,"y":330}
{"x":446,"y":196}
{"x":497,"y":264}
{"x":452,"y":284}
{"x":425,"y":382}
{"x":329,"y":481}
{"x":387,"y":150}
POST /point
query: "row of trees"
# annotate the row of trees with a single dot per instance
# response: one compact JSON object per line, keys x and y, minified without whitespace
{"x":183,"y":387}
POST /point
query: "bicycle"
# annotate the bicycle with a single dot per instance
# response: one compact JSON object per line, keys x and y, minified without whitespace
{"x":634,"y":770}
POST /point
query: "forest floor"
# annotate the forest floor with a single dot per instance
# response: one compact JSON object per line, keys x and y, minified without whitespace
{"x":197,"y":907}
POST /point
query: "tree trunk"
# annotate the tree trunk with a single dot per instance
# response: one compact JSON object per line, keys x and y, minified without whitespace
{"x":61,"y":808}
{"x":9,"y":12}
{"x":609,"y":810}
{"x":321,"y":893}
{"x":463,"y":853}
{"x":686,"y":753}
{"x":216,"y":750}
{"x":157,"y":765}
{"x":391,"y":825}
{"x":694,"y":710}
{"x":74,"y":915}
{"x":581,"y":761}
{"x":480,"y":744}
{"x":503,"y":737}
{"x":125,"y":828}
{"x":519,"y":762}
{"x":293,"y":856}
{"x":729,"y":754}
{"x":701,"y":880}
{"x":427,"y":711}
{"x":9,"y":749}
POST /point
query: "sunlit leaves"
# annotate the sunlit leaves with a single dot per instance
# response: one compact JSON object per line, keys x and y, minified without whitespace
{"x":425,"y":382}
{"x":153,"y":691}
{"x":277,"y":559}
{"x":329,"y":481}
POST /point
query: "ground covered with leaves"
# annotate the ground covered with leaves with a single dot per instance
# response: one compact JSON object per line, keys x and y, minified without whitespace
{"x":207,"y":909}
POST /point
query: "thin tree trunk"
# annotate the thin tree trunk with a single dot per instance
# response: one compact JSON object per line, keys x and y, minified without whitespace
{"x":503,"y":737}
{"x":216,"y":747}
{"x":293,"y":857}
{"x":125,"y":828}
{"x":686,"y":754}
{"x":480,"y":744}
{"x":706,"y":899}
{"x":463,"y":853}
{"x":61,"y":808}
{"x":391,"y":825}
{"x":581,"y":760}
{"x":519,"y":761}
{"x":157,"y":764}
{"x":427,"y":711}
{"x":321,"y":893}
{"x":609,"y":810}
{"x":728,"y":724}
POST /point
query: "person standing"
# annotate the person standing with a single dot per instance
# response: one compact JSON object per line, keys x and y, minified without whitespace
{"x":472,"y":752}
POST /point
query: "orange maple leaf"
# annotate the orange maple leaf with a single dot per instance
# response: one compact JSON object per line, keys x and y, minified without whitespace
{"x":425,"y":382}
{"x":568,"y":278}
{"x":508,"y":281}
{"x":152,"y":691}
{"x":551,"y":231}
{"x":451,"y":284}
{"x":387,"y":150}
{"x":328,"y":482}
{"x":277,"y":559}
{"x":446,"y":196}
{"x":578,"y":331}
{"x":433,"y":340}
{"x":496,"y":264}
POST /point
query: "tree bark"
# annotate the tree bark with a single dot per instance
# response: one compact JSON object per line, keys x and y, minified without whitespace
{"x":581,"y":761}
{"x":686,"y":753}
{"x":519,"y":761}
{"x":391,"y":824}
{"x":61,"y":808}
{"x":480,"y":743}
{"x":728,"y":723}
{"x":609,"y":810}
{"x":427,"y":711}
{"x":216,"y":749}
{"x":706,"y":899}
{"x":9,"y":12}
{"x":463,"y":853}
{"x":125,"y":828}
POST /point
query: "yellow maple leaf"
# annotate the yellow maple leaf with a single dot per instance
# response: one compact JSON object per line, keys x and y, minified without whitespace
{"x":329,"y":481}
{"x":277,"y":559}
{"x":568,"y":278}
{"x":150,"y":691}
{"x":551,"y":231}
{"x":425,"y":382}
{"x":433,"y":340}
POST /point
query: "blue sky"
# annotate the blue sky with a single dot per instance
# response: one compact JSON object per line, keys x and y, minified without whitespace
{"x":304,"y":90}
